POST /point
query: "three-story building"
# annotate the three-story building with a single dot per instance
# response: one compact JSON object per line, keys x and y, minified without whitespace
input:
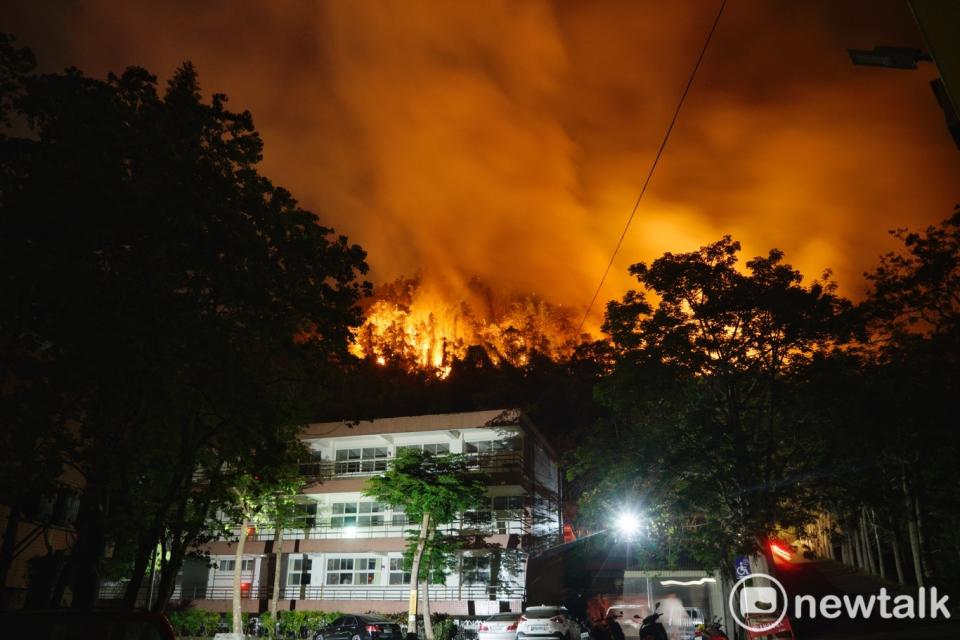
{"x":345,"y":550}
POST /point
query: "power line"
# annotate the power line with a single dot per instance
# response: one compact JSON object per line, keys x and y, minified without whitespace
{"x":656,"y":159}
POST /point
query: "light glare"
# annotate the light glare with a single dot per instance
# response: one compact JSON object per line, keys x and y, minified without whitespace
{"x":628,"y":523}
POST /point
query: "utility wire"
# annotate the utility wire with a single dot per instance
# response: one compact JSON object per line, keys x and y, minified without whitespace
{"x":656,"y":159}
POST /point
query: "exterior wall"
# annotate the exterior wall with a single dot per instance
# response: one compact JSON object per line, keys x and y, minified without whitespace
{"x":48,"y":526}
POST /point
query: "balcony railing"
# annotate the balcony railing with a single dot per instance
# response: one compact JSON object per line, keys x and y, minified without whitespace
{"x":322,"y":592}
{"x":503,"y":462}
{"x":511,"y":524}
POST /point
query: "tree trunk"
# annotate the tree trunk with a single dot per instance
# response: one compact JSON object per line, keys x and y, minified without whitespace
{"x":168,"y":574}
{"x":84,"y":564}
{"x":9,"y":544}
{"x":857,"y":550}
{"x":913,"y":533}
{"x":867,"y":547}
{"x":897,"y":558}
{"x":427,"y":623}
{"x":238,"y":566}
{"x":921,"y":539}
{"x":143,"y":558}
{"x":277,"y":564}
{"x":415,"y":575}
{"x":425,"y":583}
{"x":876,"y":538}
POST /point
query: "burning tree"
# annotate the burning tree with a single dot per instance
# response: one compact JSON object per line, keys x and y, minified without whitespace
{"x":420,"y":326}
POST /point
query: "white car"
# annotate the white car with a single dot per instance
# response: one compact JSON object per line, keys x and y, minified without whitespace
{"x":548,"y":622}
{"x":502,"y":626}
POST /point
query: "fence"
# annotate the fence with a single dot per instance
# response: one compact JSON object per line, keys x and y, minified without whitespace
{"x":438,"y":593}
{"x":499,"y":523}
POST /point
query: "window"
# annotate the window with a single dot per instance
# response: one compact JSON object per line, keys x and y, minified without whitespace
{"x":492,"y":446}
{"x":477,"y":518}
{"x":362,"y":460}
{"x":439,"y":448}
{"x":484,"y":446}
{"x":399,"y":518}
{"x":476,"y":569}
{"x":356,"y":514}
{"x":485,"y":513}
{"x":305,"y":515}
{"x":299,"y":572}
{"x":340,"y":571}
{"x":397,"y":574}
{"x":366,"y":571}
{"x":230,"y":565}
{"x":507,"y":503}
{"x":352,"y":570}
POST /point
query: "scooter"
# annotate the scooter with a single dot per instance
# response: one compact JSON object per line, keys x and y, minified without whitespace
{"x":711,"y":631}
{"x":651,"y":628}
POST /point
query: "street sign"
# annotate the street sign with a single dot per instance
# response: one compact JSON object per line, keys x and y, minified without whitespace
{"x":741,"y":567}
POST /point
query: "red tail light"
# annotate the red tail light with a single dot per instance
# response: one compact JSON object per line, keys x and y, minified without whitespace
{"x":512,"y":627}
{"x":484,"y":627}
{"x":556,"y":619}
{"x":372,"y":627}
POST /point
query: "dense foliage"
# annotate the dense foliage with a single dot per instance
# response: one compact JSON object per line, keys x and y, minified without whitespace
{"x":166,"y":311}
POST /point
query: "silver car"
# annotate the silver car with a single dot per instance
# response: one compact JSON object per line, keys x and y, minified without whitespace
{"x":502,"y":626}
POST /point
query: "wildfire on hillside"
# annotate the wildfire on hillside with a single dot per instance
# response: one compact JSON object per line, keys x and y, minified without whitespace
{"x":421,"y":326}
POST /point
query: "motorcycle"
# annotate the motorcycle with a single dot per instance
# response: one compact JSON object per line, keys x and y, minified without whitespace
{"x":651,"y":627}
{"x":710,"y":631}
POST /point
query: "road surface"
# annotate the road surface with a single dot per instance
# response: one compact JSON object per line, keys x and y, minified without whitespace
{"x":824,"y":578}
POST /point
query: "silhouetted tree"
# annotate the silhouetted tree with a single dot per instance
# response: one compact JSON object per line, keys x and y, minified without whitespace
{"x":706,"y":417}
{"x":174,"y":306}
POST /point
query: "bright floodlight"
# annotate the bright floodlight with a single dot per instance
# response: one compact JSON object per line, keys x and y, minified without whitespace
{"x":628,"y":523}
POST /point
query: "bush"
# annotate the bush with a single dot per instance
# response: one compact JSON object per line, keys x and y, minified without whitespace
{"x":194,"y":622}
{"x":292,"y":621}
{"x":444,"y":627}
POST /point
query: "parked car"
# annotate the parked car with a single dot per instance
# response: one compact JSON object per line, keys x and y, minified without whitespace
{"x":630,"y":617}
{"x":360,"y":627}
{"x":548,"y":622}
{"x":85,"y":625}
{"x":502,"y":626}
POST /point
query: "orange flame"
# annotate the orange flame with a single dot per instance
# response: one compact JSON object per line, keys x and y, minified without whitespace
{"x":422,"y":327}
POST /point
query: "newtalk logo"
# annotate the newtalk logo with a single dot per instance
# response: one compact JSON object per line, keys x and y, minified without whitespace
{"x":762,"y":605}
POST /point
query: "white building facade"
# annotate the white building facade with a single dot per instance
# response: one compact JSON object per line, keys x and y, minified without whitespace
{"x":345,"y":552}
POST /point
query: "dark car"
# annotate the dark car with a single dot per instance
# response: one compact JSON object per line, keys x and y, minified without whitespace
{"x":85,"y":625}
{"x":360,"y":627}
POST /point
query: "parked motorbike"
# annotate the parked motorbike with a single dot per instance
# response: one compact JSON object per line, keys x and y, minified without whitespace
{"x":651,"y":627}
{"x":710,"y":631}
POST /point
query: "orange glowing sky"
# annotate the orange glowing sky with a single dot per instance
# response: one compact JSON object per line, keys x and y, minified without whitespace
{"x":508,"y":140}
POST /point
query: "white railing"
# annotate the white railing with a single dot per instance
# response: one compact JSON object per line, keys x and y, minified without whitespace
{"x":338,"y":592}
{"x":511,"y":524}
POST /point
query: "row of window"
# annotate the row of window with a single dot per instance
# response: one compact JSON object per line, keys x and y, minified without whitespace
{"x":365,"y":513}
{"x":347,"y":571}
{"x":230,"y":565}
{"x":375,"y":454}
{"x":364,"y":570}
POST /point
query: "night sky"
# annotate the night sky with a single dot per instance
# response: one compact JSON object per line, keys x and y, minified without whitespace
{"x":508,"y":141}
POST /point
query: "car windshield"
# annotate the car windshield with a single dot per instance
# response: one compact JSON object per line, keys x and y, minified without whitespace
{"x":542,"y":612}
{"x":503,"y":616}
